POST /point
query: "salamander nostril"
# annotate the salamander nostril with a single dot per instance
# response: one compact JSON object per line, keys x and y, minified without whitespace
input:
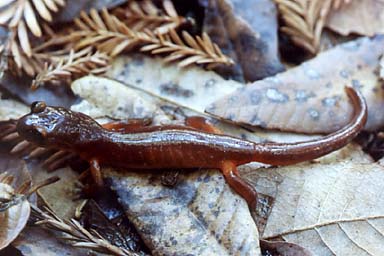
{"x":38,"y":106}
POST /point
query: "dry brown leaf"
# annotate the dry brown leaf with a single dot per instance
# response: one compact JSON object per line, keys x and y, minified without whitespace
{"x":112,"y":36}
{"x":141,"y":15}
{"x":360,"y":17}
{"x":330,"y":209}
{"x":19,"y":15}
{"x":304,"y":20}
{"x":310,"y":98}
{"x":72,"y":66}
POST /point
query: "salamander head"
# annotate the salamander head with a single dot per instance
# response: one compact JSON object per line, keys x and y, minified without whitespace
{"x":55,"y":126}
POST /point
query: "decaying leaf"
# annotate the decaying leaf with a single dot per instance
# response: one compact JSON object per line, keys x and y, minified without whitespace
{"x":14,"y":209}
{"x":14,"y":218}
{"x":360,"y":17}
{"x":310,"y":98}
{"x":193,"y":87}
{"x":198,"y":216}
{"x":248,"y":30}
{"x":329,"y":209}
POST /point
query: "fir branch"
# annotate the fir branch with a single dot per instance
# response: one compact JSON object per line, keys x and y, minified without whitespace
{"x":23,"y":16}
{"x":305,"y":19}
{"x":112,"y":36}
{"x":76,"y":64}
{"x":76,"y":234}
{"x":140,"y":15}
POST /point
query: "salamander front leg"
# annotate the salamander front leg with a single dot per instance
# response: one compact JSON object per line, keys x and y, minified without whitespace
{"x":96,"y":172}
{"x":242,"y":187}
{"x":202,"y":124}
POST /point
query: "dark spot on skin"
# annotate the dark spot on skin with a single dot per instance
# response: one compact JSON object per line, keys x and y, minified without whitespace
{"x":217,"y":190}
{"x":175,"y":90}
{"x":329,"y":85}
{"x":303,"y":95}
{"x":356,"y":84}
{"x":314,"y":114}
{"x":138,"y":81}
{"x":255,"y":97}
{"x":209,"y":83}
{"x":211,"y":205}
{"x":330,"y":101}
{"x":276,"y":96}
{"x":207,"y":179}
{"x":344,"y":74}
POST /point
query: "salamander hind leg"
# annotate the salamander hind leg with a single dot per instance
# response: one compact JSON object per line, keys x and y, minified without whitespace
{"x":202,"y":124}
{"x":238,"y":184}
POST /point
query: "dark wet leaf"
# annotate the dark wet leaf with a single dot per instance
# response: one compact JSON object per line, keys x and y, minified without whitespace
{"x":73,"y":8}
{"x":19,"y":89}
{"x":122,"y":234}
{"x":280,"y":248}
{"x":310,"y":98}
{"x":247,"y":31}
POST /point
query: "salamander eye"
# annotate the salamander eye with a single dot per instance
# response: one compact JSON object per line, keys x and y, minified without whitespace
{"x":38,"y":106}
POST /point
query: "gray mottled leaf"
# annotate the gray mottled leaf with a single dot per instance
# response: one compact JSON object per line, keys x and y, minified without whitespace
{"x":190,"y":87}
{"x":37,"y":241}
{"x":11,"y":109}
{"x":330,"y":209}
{"x":199,"y":216}
{"x":105,"y":97}
{"x":310,"y":98}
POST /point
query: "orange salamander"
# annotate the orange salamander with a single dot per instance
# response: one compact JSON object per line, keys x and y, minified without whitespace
{"x":135,"y":145}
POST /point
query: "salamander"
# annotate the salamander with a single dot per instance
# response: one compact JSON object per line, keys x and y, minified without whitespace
{"x":198,"y":144}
